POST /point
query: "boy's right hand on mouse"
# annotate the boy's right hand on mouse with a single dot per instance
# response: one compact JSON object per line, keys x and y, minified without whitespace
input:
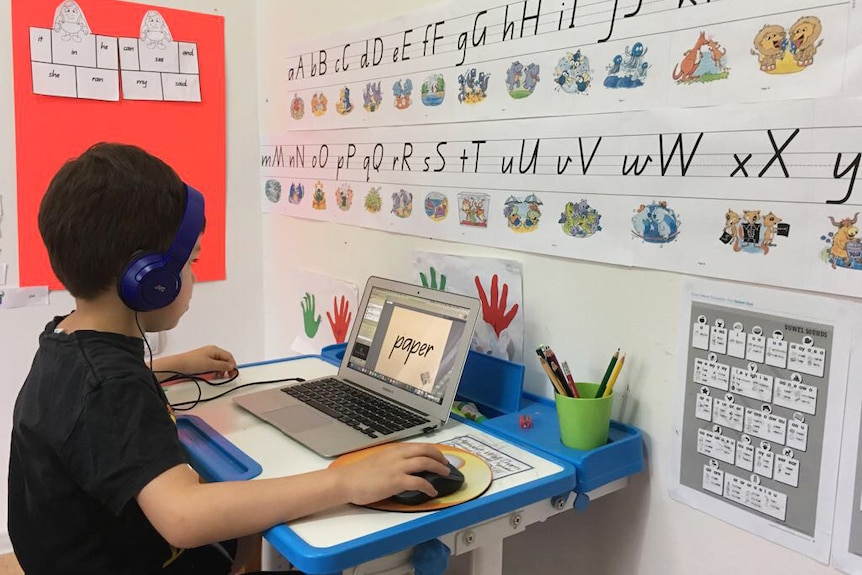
{"x":390,"y":471}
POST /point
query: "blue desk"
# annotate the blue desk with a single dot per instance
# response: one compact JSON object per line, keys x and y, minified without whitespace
{"x":226,"y":443}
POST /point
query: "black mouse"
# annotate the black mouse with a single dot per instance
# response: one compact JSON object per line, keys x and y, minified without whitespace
{"x":445,"y":485}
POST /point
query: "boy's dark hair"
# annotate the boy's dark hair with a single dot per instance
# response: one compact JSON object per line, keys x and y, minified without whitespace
{"x":103,"y":207}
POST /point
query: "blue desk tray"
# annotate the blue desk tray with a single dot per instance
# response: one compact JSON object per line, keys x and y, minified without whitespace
{"x":620,"y":457}
{"x":333,"y":353}
{"x":211,"y":455}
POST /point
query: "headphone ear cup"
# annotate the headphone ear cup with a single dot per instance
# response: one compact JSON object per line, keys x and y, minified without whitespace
{"x":147,"y":284}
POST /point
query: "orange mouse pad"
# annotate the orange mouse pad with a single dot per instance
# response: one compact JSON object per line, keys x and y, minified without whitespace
{"x":477,"y":478}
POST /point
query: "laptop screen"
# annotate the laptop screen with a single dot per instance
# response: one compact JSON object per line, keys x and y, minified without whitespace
{"x":409,"y":342}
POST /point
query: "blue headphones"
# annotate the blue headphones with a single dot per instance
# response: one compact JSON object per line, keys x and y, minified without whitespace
{"x":152,"y":280}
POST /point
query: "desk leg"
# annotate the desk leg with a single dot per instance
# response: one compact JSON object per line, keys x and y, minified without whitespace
{"x":272,"y":560}
{"x":487,"y":559}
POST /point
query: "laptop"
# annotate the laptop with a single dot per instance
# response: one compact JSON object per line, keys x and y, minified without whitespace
{"x":398,"y":378}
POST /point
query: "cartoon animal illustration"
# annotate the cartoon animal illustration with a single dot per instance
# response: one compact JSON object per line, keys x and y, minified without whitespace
{"x":154,"y":31}
{"x":769,"y":46}
{"x":629,"y":72}
{"x":847,"y":232}
{"x":804,"y":36}
{"x":751,"y":226}
{"x":580,"y":220}
{"x":513,"y":74}
{"x":343,"y":105}
{"x":473,"y":86}
{"x":616,"y":64}
{"x":732,"y":231}
{"x":685,"y":69}
{"x":770,"y":224}
{"x":402,"y":203}
{"x":402,"y":93}
{"x":318,"y":104}
{"x":297,"y":108}
{"x":656,"y":223}
{"x":69,"y":22}
{"x":372,"y":96}
{"x":318,"y":198}
{"x":573,"y":74}
{"x":717,"y":52}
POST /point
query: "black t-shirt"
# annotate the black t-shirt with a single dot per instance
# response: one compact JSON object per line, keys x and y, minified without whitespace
{"x":91,"y":428}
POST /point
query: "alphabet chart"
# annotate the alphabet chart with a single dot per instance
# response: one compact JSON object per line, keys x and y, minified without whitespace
{"x":762,"y":394}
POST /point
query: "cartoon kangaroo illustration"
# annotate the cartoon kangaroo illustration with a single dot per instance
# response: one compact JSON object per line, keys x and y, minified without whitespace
{"x":770,"y":222}
{"x":684,"y":70}
{"x":847,"y":232}
{"x":717,"y":52}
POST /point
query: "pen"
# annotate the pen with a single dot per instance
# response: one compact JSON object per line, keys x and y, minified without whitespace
{"x":608,"y":372}
{"x":617,"y":368}
{"x":567,"y":372}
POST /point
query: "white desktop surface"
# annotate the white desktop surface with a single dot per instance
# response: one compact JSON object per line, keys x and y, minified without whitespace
{"x":279,"y":455}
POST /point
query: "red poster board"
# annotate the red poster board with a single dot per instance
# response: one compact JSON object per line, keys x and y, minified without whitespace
{"x":189,"y":136}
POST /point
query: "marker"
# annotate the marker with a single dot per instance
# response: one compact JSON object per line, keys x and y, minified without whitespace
{"x":567,"y":372}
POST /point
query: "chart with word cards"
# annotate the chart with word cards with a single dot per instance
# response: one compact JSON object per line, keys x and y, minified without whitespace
{"x":762,"y":391}
{"x":70,"y":61}
{"x":157,"y":67}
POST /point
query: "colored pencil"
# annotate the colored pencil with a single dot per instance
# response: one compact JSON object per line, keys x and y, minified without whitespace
{"x":608,"y":372}
{"x":617,"y":368}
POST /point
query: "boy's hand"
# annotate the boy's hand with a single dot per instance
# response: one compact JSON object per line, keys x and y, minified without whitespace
{"x":205,"y":359}
{"x":388,"y":472}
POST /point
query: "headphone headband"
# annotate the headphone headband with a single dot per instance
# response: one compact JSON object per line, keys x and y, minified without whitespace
{"x":153,"y":280}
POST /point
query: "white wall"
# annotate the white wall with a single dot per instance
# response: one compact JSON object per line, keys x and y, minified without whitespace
{"x":584,"y":309}
{"x":227,"y":313}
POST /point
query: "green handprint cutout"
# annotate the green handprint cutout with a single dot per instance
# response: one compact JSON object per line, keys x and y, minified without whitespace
{"x":311,"y":324}
{"x":433,"y":284}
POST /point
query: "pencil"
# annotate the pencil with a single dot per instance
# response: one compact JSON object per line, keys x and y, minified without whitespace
{"x":554,"y":381}
{"x":558,"y":386}
{"x":608,"y":372}
{"x":617,"y":368}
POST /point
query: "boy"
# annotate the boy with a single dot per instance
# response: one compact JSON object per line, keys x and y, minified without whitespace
{"x":98,"y":482}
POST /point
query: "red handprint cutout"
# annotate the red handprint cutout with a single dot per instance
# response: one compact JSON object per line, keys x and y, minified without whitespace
{"x":342,"y":319}
{"x":494,"y":313}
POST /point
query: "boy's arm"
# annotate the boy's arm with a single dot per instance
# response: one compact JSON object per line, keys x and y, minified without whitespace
{"x":207,"y":359}
{"x":189,"y":514}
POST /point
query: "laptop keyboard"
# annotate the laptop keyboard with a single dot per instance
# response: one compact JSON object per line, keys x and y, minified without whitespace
{"x":354,"y":407}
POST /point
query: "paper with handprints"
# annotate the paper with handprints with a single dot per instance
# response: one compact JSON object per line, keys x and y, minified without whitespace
{"x":324,"y":312}
{"x":496,"y":283}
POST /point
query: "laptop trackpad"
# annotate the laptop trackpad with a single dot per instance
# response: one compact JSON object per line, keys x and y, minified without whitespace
{"x":296,"y":418}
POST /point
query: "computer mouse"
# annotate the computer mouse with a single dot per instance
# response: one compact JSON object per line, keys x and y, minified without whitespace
{"x":444,"y":484}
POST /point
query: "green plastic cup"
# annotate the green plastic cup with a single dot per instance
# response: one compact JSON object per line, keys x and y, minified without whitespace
{"x":584,"y":421}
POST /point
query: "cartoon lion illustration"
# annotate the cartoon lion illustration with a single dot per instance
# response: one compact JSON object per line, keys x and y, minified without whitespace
{"x":803,"y":38}
{"x":769,"y":46}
